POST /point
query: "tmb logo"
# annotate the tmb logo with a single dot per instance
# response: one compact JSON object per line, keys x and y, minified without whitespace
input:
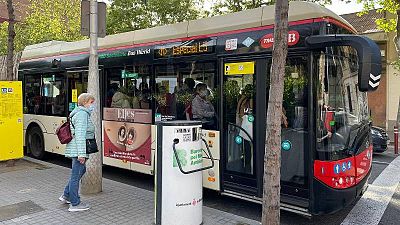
{"x":268,"y":40}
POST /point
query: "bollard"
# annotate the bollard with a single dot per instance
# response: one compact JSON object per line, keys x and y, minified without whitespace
{"x":396,"y":140}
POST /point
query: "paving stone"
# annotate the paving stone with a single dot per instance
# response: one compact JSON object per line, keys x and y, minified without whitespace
{"x":117,"y":204}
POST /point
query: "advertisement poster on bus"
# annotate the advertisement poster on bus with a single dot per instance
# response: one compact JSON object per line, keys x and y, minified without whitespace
{"x":127,"y":141}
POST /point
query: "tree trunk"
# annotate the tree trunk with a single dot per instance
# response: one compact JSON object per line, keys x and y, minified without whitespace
{"x":92,"y":182}
{"x":272,"y":157}
{"x":11,"y":36}
{"x":397,"y":38}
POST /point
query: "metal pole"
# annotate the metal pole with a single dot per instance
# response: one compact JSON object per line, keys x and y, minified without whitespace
{"x":396,"y":140}
{"x":92,"y":181}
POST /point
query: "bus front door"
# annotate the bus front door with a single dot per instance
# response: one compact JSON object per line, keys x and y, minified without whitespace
{"x":239,"y":117}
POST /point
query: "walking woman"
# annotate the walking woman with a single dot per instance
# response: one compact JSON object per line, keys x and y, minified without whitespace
{"x":82,"y":128}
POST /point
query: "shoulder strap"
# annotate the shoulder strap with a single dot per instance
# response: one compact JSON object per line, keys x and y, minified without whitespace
{"x":69,"y":120}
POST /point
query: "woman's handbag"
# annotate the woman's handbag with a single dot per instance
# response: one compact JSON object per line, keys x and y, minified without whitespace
{"x":91,"y":146}
{"x":64,"y":132}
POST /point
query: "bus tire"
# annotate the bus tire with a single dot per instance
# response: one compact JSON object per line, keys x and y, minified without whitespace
{"x":35,"y":142}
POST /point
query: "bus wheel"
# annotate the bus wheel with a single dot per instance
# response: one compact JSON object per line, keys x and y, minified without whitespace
{"x":35,"y":142}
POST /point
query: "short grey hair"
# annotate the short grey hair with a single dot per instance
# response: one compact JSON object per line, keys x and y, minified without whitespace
{"x":85,"y":98}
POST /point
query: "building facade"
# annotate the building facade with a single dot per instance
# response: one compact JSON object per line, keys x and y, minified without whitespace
{"x":384,"y":102}
{"x":20,"y":8}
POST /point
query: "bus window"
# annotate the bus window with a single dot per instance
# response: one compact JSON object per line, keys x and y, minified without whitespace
{"x":128,"y":87}
{"x":45,"y":94}
{"x":178,"y":90}
{"x":341,"y":108}
{"x":113,"y":84}
{"x":32,"y":94}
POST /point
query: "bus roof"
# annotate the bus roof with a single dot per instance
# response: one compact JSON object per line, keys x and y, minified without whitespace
{"x":262,"y":16}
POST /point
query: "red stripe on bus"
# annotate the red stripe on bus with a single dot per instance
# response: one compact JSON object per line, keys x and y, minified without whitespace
{"x":336,"y":22}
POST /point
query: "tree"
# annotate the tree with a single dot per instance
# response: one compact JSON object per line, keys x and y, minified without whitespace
{"x":92,"y":182}
{"x":11,"y":36}
{"x":226,"y":6}
{"x":128,"y":15}
{"x":386,"y":24}
{"x":47,"y":20}
{"x":272,"y":153}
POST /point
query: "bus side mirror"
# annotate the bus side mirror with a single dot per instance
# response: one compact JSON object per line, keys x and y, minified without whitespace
{"x":368,"y":52}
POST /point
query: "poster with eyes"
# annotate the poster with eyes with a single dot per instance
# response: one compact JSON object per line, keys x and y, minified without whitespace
{"x":127,"y":141}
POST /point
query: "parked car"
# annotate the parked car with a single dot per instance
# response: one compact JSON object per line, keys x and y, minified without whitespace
{"x":380,"y":139}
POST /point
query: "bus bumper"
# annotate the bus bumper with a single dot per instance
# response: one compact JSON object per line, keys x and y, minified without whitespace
{"x":327,"y":200}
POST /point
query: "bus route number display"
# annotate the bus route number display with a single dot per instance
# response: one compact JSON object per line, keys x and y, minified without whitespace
{"x":185,"y":48}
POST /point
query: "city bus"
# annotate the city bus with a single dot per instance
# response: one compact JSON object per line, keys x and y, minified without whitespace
{"x":217,"y":70}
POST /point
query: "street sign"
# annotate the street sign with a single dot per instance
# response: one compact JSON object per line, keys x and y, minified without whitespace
{"x":101,"y":18}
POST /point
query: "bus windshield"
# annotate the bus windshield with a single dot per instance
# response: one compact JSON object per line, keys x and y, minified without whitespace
{"x":341,"y":107}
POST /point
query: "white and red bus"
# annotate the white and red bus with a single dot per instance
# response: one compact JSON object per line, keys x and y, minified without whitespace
{"x":151,"y":75}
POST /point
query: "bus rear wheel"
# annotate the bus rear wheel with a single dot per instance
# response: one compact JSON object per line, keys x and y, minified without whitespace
{"x":35,"y":142}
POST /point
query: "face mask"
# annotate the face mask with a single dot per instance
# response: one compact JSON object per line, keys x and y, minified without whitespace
{"x":92,"y":107}
{"x":203,"y":93}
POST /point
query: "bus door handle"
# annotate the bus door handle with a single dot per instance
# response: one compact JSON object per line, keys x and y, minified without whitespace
{"x":176,"y":141}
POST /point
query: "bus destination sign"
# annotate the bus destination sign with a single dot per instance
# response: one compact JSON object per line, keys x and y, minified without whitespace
{"x":191,"y":47}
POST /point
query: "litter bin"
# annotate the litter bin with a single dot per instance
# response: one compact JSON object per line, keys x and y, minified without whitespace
{"x":179,"y":181}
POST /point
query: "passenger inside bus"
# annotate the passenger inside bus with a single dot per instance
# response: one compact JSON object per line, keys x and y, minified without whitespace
{"x":184,"y":95}
{"x":284,"y":120}
{"x":144,"y":95}
{"x":244,"y":110}
{"x":59,"y":103}
{"x":121,"y":99}
{"x":113,"y":88}
{"x":189,"y":85}
{"x":165,"y":102}
{"x":202,"y":108}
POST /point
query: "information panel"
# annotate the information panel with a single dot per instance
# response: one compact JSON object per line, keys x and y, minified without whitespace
{"x":11,"y":120}
{"x":240,"y":68}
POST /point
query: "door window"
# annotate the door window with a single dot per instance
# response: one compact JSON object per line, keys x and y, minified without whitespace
{"x":77,"y":84}
{"x":239,"y":108}
{"x":294,"y":121}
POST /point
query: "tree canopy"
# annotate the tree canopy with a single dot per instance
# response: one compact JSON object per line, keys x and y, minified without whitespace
{"x":46,"y":20}
{"x":381,"y":6}
{"x":128,"y":15}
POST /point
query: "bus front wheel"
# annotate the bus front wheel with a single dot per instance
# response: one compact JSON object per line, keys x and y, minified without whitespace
{"x":35,"y":142}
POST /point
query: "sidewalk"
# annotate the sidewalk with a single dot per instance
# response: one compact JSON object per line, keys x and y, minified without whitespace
{"x":29,"y":195}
